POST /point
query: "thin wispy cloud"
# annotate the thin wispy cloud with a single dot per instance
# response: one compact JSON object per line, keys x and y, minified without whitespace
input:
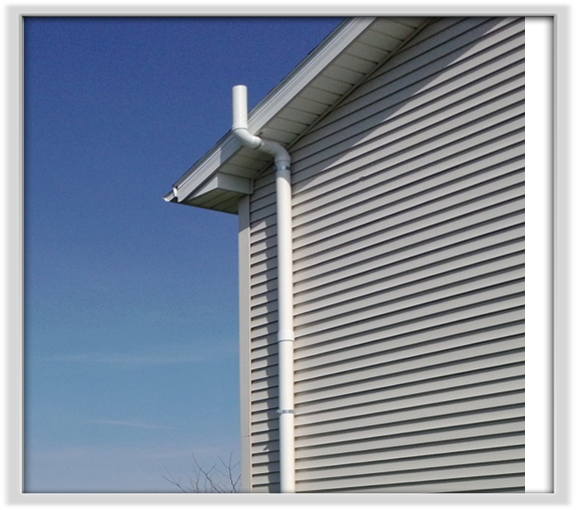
{"x":140,"y":360}
{"x":127,"y":359}
{"x":130,"y":455}
{"x":135,"y":424}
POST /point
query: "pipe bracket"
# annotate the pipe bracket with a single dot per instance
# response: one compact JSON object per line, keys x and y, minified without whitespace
{"x":286,"y":335}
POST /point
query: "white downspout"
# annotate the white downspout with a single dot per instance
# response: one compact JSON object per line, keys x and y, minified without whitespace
{"x":285,"y":312}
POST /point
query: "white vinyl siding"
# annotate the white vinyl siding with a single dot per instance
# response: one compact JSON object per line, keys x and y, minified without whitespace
{"x":408,"y":206}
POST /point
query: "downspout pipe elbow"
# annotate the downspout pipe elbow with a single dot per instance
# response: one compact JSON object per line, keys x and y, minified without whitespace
{"x":281,"y":156}
{"x":246,"y":138}
{"x":240,"y":129}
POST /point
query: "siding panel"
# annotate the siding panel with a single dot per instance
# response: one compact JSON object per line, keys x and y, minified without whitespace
{"x":408,"y":206}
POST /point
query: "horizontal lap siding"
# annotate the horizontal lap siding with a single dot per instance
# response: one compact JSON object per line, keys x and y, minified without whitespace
{"x":408,"y":207}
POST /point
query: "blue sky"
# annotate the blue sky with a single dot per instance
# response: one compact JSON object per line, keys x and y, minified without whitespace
{"x":131,"y":355}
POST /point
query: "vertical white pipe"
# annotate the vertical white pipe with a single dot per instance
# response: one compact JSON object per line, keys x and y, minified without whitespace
{"x":285,"y":329}
{"x":240,"y":118}
{"x":285,"y":292}
{"x":239,"y":107}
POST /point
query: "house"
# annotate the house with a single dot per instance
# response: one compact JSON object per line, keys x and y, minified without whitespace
{"x":406,"y":144}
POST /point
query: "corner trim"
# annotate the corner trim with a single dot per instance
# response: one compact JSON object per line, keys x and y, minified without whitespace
{"x":244,"y":337}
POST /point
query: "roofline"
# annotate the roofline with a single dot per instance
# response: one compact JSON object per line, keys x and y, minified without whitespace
{"x":330,"y":48}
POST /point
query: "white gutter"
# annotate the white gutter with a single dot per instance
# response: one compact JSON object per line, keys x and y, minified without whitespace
{"x":285,"y":312}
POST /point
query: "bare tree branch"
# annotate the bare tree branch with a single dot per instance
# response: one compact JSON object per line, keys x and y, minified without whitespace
{"x":172,"y":481}
{"x":221,"y":478}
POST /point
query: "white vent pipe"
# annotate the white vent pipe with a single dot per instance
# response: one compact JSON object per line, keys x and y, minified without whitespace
{"x":285,"y":307}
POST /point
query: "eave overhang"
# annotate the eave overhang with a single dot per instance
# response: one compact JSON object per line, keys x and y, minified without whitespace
{"x":329,"y":73}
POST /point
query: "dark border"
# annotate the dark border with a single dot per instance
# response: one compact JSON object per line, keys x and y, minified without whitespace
{"x":12,"y":249}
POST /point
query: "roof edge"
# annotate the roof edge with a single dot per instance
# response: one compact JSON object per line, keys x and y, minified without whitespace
{"x":308,"y":69}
